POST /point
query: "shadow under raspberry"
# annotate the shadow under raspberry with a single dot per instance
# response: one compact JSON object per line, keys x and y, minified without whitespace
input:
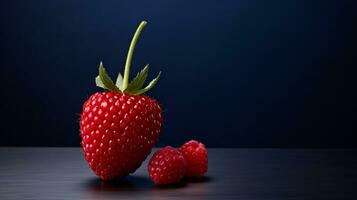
{"x":202,"y":179}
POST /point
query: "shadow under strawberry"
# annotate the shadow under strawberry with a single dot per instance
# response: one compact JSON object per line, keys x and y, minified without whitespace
{"x":129,"y":183}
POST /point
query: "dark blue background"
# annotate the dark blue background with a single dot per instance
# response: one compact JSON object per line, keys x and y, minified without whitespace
{"x":244,"y":73}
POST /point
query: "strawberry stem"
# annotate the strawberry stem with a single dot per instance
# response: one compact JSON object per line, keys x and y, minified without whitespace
{"x":130,"y":54}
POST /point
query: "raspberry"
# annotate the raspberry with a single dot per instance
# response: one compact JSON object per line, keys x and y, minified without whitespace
{"x":166,"y":166}
{"x":195,"y":154}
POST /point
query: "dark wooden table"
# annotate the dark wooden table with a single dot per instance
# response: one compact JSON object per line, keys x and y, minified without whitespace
{"x":62,"y":173}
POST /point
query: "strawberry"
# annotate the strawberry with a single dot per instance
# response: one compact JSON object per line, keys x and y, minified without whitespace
{"x":119,"y":127}
{"x":195,"y":154}
{"x":166,"y":166}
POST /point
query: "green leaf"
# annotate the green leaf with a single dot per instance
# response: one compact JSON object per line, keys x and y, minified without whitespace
{"x":148,"y":87}
{"x":139,"y":80}
{"x":99,"y":83}
{"x":105,"y":80}
{"x":119,"y":81}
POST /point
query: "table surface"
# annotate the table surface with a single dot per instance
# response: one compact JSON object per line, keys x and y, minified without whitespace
{"x":62,"y":173}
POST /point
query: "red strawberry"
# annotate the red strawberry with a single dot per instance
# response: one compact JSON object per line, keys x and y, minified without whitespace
{"x":195,"y":154}
{"x":120,"y":127}
{"x":166,"y":166}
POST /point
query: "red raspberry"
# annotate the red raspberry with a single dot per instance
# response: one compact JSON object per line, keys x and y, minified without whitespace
{"x":195,"y":154}
{"x":166,"y":166}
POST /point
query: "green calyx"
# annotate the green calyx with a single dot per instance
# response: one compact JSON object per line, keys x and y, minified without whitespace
{"x":122,"y":85}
